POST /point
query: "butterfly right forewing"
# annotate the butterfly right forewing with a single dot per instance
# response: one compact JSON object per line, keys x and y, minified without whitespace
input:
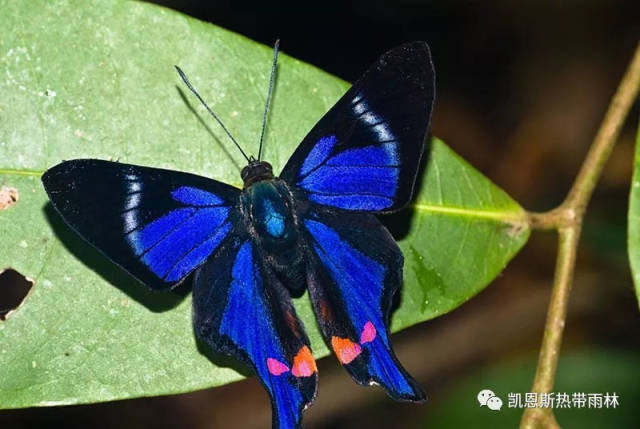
{"x":364,"y":154}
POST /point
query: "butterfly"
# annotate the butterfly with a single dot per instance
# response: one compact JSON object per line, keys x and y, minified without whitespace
{"x":251,"y":250}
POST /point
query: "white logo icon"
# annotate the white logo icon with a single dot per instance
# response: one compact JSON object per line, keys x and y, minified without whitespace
{"x":494,"y":403}
{"x":488,"y":398}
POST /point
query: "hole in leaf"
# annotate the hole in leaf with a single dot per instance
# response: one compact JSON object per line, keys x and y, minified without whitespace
{"x":8,"y":197}
{"x":14,"y":287}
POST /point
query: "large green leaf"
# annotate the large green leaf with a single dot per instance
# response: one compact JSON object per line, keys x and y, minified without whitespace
{"x":634,"y":220}
{"x":86,"y":79}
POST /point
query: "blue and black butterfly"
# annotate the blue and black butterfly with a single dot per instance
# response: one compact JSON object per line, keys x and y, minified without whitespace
{"x":311,"y":228}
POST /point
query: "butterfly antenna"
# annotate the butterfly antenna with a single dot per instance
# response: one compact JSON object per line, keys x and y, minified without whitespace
{"x":266,"y":105}
{"x":186,"y":81}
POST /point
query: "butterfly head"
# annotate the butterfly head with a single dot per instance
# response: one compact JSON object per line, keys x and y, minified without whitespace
{"x":256,"y":171}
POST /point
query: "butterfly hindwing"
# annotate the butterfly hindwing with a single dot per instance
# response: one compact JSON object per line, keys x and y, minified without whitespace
{"x":354,"y":269}
{"x":158,"y":225}
{"x":364,"y":154}
{"x":242,"y":310}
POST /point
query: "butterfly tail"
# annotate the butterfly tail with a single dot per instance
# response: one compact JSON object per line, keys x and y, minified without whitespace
{"x":287,"y":404}
{"x":384,"y":369}
{"x":370,"y":360}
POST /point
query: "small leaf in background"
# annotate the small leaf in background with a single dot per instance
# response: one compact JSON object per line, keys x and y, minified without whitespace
{"x":634,"y":220}
{"x":96,"y":80}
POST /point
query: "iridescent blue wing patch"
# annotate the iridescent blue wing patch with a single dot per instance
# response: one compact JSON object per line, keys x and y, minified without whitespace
{"x":364,"y":154}
{"x":242,"y":310}
{"x":158,"y":225}
{"x":354,"y":269}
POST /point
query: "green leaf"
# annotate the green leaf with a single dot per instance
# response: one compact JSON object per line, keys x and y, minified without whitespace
{"x":634,"y":220}
{"x":83,"y":79}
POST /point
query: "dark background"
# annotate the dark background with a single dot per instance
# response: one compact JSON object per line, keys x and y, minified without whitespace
{"x":521,"y":89}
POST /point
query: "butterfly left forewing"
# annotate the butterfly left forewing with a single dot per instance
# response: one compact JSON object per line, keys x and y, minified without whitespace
{"x":242,"y":311}
{"x":158,"y":225}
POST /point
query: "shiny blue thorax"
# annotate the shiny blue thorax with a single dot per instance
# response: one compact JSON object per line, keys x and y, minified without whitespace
{"x":268,"y":206}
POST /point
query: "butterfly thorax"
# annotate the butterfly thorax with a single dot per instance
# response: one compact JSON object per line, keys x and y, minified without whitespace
{"x":267,"y":206}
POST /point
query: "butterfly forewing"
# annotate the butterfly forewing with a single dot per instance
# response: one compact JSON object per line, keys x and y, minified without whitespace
{"x":364,"y":154}
{"x":158,"y":225}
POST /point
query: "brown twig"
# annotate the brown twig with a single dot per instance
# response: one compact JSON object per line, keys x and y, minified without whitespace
{"x":567,"y":220}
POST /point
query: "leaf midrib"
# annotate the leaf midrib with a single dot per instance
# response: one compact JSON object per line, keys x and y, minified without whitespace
{"x":21,"y":172}
{"x":510,"y":217}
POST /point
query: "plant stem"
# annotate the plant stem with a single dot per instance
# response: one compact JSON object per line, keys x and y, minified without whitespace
{"x":567,"y":220}
{"x":604,"y":141}
{"x":554,"y":327}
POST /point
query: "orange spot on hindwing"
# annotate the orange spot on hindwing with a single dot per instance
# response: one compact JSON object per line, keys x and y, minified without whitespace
{"x":345,"y":349}
{"x":303,"y":363}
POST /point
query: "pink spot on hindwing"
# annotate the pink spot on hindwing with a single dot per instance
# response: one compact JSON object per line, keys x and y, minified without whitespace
{"x":368,"y":333}
{"x":276,"y":367}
